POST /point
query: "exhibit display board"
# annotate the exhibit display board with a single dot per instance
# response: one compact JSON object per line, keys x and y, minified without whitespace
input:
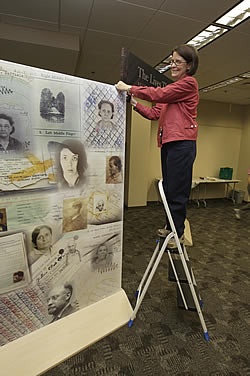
{"x":61,"y":196}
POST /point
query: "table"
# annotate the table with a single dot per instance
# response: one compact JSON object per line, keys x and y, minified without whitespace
{"x":196,"y":183}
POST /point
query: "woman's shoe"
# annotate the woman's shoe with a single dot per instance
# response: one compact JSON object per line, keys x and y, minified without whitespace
{"x":163,"y":232}
{"x":172,"y":243}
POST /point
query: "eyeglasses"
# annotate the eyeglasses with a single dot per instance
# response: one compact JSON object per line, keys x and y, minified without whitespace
{"x":177,"y":62}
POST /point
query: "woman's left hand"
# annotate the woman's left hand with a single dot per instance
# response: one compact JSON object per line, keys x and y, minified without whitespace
{"x":121,"y":86}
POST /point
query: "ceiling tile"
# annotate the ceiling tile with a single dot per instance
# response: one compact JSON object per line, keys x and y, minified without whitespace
{"x":150,"y":52}
{"x":119,"y":18}
{"x":206,"y":11}
{"x":105,"y":43}
{"x":244,"y":27}
{"x":97,"y":66}
{"x":50,"y":58}
{"x":75,"y":12}
{"x":168,"y":29}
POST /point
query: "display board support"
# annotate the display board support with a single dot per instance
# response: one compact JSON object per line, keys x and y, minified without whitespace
{"x":43,"y":349}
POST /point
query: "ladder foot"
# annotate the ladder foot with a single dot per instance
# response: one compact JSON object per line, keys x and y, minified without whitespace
{"x":206,"y":336}
{"x":130,"y":323}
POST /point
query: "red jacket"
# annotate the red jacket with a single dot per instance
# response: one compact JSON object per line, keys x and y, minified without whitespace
{"x":176,"y":108}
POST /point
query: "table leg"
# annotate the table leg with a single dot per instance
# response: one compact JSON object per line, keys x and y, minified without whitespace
{"x":233,"y":193}
{"x":203,"y":200}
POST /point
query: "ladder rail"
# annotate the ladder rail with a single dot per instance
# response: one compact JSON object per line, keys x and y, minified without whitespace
{"x":183,"y":260}
{"x":148,"y":267}
{"x":154,"y":262}
{"x":148,"y":281}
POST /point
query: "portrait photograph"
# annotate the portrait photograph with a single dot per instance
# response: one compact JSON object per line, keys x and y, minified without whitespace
{"x":73,"y":254}
{"x":113,"y":169}
{"x":3,"y":220}
{"x":41,"y":243}
{"x":18,"y":276}
{"x":102,"y":256}
{"x":15,"y":134}
{"x":99,"y":203}
{"x":74,"y":214}
{"x":61,"y":301}
{"x":70,"y":163}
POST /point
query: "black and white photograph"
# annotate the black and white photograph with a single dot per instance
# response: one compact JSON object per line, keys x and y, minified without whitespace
{"x":100,"y":203}
{"x":113,"y":170}
{"x":102,"y":256}
{"x":60,"y":301}
{"x":52,"y":106}
{"x":102,"y":127}
{"x":70,"y":164}
{"x":14,"y":135}
{"x":73,"y":255}
{"x":56,"y":104}
{"x":74,"y":214}
{"x":41,"y":241}
{"x":3,"y":220}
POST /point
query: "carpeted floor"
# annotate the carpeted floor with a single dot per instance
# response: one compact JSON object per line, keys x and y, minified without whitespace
{"x":165,"y":340}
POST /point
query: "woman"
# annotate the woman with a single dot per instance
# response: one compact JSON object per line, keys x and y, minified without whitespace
{"x":106,"y":112}
{"x":176,"y":109}
{"x":102,"y":258}
{"x":115,"y":167}
{"x":71,"y":164}
{"x":8,"y":143}
{"x":42,"y":242}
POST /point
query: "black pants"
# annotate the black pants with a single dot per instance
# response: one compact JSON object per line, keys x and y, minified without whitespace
{"x":177,"y":160}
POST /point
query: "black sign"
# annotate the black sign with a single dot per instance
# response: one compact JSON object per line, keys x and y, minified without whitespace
{"x":135,"y":72}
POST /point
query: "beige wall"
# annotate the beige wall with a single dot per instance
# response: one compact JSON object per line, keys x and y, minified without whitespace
{"x":154,"y":163}
{"x":223,"y":141}
{"x":137,"y":165}
{"x":219,"y":138}
{"x":244,"y":156}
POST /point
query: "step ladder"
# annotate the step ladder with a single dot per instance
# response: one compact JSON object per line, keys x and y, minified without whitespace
{"x":180,"y":271}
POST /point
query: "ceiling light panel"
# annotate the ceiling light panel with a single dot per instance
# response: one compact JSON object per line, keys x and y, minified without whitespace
{"x":245,"y":75}
{"x":206,"y":36}
{"x":236,"y":15}
{"x":221,"y":84}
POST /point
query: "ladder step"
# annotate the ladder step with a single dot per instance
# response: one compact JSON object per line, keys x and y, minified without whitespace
{"x":179,"y":270}
{"x":188,"y":297}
